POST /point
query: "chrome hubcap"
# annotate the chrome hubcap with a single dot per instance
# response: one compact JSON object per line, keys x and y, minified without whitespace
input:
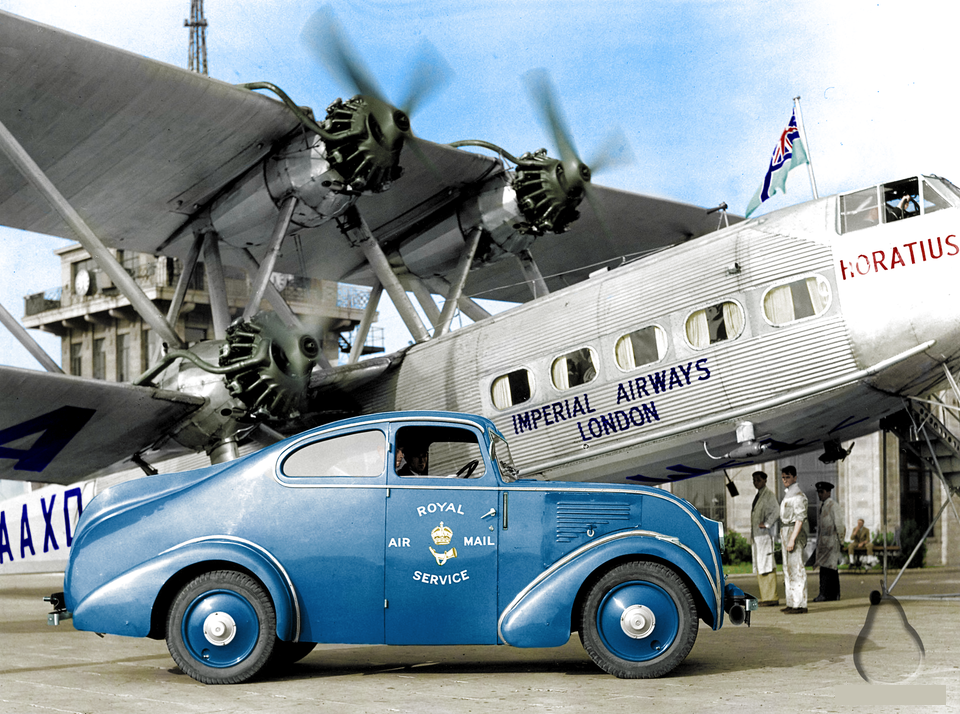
{"x":638,"y":621}
{"x":219,"y":628}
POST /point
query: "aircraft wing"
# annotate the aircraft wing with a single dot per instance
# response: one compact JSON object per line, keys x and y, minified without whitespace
{"x":132,"y":143}
{"x":56,"y":428}
{"x":628,"y":226}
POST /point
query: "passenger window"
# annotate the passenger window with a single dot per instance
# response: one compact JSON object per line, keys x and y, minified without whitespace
{"x":713,"y":324}
{"x":361,"y":453}
{"x":859,"y":210}
{"x":573,"y":369}
{"x":641,"y":347}
{"x":512,"y":388}
{"x":794,"y":301}
{"x":438,"y":452}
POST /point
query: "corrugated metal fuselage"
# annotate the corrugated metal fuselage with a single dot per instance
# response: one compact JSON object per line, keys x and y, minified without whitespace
{"x":831,"y":376}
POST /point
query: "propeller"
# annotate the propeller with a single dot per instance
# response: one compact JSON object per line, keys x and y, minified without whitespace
{"x":372,"y":130}
{"x":573,"y":175}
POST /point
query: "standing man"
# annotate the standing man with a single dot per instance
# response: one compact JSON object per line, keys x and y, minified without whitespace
{"x":830,"y":532}
{"x":764,"y":517}
{"x":793,"y":538}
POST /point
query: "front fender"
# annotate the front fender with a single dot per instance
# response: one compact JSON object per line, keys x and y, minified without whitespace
{"x":124,"y":605}
{"x":539,"y":616}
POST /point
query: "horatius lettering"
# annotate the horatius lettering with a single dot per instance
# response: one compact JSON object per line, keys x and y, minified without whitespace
{"x":900,"y":256}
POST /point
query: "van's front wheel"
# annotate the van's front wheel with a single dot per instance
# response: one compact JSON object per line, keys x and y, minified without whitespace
{"x":639,"y":621}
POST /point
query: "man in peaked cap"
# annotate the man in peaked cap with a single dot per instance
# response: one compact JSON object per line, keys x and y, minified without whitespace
{"x":830,"y":533}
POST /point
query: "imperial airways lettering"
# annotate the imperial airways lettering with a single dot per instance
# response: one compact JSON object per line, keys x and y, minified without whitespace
{"x":551,"y":414}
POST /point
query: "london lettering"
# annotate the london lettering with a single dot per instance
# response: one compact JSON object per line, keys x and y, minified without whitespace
{"x":900,"y":256}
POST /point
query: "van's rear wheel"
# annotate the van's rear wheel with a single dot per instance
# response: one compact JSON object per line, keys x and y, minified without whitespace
{"x":639,"y":621}
{"x":222,"y":627}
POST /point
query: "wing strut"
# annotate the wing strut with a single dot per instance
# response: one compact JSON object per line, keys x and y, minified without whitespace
{"x":217,"y":284}
{"x":422,"y":293}
{"x":105,"y":259}
{"x":469,"y":308}
{"x":359,"y":234}
{"x":279,"y":305}
{"x":532,"y":274}
{"x":24,"y":338}
{"x":180,"y":292}
{"x":360,"y":338}
{"x":270,"y":259}
{"x":460,"y":279}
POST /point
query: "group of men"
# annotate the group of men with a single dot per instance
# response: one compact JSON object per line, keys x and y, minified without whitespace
{"x":790,"y":518}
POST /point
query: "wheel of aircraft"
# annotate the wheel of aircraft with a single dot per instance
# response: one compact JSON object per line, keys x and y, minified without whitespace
{"x":639,"y":621}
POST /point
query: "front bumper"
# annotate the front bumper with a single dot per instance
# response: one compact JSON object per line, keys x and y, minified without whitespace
{"x":738,"y":605}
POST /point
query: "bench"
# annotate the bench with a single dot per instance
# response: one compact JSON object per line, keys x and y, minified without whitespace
{"x":856,"y":562}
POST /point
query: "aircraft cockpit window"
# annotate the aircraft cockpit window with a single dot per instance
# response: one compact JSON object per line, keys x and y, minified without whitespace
{"x":932,"y":200}
{"x":889,"y":203}
{"x":715,"y":323}
{"x":510,"y":389}
{"x":362,"y":453}
{"x":859,"y":210}
{"x":438,"y":452}
{"x":784,"y":304}
{"x":901,"y":199}
{"x":573,"y":369}
{"x":641,"y":347}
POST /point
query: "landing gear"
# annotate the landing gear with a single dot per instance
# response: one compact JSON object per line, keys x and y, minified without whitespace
{"x":222,"y":628}
{"x":639,"y":621}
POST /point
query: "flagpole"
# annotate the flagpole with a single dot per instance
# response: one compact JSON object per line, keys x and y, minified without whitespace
{"x":806,"y":146}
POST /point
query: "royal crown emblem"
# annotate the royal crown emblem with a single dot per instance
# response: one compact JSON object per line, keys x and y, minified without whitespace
{"x":441,"y":534}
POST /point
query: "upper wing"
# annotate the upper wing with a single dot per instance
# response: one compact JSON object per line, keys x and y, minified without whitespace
{"x":132,"y":143}
{"x":628,"y":226}
{"x":56,"y":428}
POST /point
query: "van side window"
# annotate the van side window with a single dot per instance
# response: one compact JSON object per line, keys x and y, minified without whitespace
{"x":573,"y":369}
{"x":362,"y":453}
{"x":640,"y":347}
{"x":715,"y":323}
{"x":512,"y":388}
{"x":794,"y":301}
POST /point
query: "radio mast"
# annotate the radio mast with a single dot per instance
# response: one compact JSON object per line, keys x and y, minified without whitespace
{"x":197,"y":23}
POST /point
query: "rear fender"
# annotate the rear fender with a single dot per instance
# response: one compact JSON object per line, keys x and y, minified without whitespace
{"x":540,"y":615}
{"x":124,"y":605}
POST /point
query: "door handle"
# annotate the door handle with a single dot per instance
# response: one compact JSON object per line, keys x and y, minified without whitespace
{"x":491,"y":512}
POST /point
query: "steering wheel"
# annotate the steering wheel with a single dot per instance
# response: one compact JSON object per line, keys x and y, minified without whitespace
{"x":467,"y":470}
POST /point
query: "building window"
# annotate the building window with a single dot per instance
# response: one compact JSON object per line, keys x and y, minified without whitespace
{"x":99,"y":359}
{"x":713,"y":324}
{"x":123,"y":357}
{"x":641,"y":347}
{"x":76,"y":359}
{"x":510,"y":389}
{"x":573,"y":369}
{"x":794,"y":301}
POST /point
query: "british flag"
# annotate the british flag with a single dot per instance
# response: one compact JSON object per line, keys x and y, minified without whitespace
{"x":788,"y":152}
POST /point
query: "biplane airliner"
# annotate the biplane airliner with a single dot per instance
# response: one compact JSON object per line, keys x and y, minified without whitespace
{"x":651,"y":345}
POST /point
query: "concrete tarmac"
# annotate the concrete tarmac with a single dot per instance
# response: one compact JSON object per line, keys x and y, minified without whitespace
{"x":783,"y":663}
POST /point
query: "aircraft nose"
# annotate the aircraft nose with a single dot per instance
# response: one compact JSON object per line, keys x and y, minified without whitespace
{"x":898,"y":290}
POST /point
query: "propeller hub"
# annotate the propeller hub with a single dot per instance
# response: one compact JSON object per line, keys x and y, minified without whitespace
{"x":273,"y":365}
{"x":365,"y":138}
{"x":549,"y":191}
